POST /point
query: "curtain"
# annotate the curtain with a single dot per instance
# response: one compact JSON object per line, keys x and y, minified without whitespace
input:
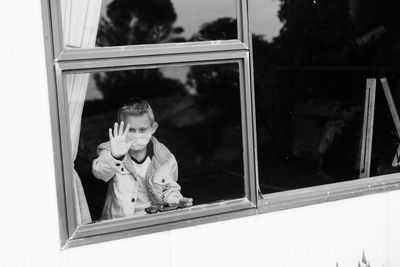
{"x":80,"y":20}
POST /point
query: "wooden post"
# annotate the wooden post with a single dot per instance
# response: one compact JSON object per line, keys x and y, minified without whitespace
{"x":367,"y":129}
{"x":395,"y":116}
{"x":391,"y":104}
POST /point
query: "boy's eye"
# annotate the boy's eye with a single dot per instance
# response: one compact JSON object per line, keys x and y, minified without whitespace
{"x":140,"y":130}
{"x":143,"y":130}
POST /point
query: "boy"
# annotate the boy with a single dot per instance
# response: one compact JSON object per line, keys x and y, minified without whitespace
{"x":141,"y":169}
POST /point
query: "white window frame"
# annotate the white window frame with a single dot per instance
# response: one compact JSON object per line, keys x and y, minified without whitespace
{"x":62,"y":61}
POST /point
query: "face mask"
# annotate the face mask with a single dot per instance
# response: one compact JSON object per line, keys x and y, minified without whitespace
{"x":140,"y":140}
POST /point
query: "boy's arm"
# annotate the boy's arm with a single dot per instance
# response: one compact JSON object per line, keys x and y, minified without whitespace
{"x":105,"y":165}
{"x":172,"y":195}
{"x":167,"y":176}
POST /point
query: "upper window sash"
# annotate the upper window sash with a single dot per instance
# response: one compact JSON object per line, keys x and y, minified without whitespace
{"x":63,"y":53}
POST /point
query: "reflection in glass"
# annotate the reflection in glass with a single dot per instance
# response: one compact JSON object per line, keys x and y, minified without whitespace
{"x":333,"y":33}
{"x":132,"y":22}
{"x":149,"y":22}
{"x":199,"y":115}
{"x":311,"y":62}
{"x":309,"y":126}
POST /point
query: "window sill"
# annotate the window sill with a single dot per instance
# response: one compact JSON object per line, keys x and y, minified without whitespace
{"x":331,"y":192}
{"x":128,"y":227}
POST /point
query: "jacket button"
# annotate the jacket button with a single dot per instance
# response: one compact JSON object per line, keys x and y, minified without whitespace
{"x":163,"y":181}
{"x":133,"y":200}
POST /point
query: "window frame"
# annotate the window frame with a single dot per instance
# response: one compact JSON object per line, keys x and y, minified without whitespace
{"x":61,"y":62}
{"x":249,"y":200}
{"x":61,"y":53}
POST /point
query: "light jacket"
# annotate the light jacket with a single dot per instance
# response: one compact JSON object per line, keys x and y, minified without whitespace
{"x":161,"y":179}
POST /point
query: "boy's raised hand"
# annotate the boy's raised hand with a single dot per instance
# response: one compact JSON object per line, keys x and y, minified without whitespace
{"x":119,"y":145}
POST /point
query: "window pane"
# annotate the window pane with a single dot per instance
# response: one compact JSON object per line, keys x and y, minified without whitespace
{"x":311,"y":62}
{"x":333,"y":33}
{"x":199,"y":115}
{"x":122,"y":22}
{"x":308,"y":126}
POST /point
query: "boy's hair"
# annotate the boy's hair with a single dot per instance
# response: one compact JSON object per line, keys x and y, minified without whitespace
{"x":136,"y":107}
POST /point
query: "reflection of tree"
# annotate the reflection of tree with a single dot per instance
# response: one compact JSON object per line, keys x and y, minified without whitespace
{"x":130,"y":22}
{"x":314,"y":32}
{"x":218,"y":98}
{"x":215,"y":83}
{"x":328,"y":32}
{"x":313,"y":61}
{"x":220,"y":29}
{"x":150,"y":83}
{"x":325,"y":33}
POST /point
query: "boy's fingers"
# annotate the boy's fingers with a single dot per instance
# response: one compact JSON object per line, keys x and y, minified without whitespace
{"x":115,"y":129}
{"x":121,"y":128}
{"x":187,"y":200}
{"x":110,"y":133}
{"x":126,"y":129}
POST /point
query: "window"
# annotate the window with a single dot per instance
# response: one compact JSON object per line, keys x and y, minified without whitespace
{"x":153,"y":22}
{"x":317,"y":133}
{"x":290,"y":113}
{"x":192,"y":67}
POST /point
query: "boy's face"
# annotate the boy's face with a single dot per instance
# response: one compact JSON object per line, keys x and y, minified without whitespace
{"x":138,"y":125}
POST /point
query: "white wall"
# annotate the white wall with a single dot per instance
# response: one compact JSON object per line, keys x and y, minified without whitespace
{"x":320,"y":235}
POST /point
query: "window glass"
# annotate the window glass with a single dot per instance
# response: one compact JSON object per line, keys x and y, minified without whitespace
{"x":329,"y":33}
{"x":199,"y":116}
{"x":311,"y":61}
{"x":309,"y":127}
{"x":121,"y":22}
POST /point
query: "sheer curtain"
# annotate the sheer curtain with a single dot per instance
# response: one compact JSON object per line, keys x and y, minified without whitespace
{"x":80,"y":22}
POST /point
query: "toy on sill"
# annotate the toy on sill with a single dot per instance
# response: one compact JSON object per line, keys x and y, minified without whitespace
{"x":167,"y":207}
